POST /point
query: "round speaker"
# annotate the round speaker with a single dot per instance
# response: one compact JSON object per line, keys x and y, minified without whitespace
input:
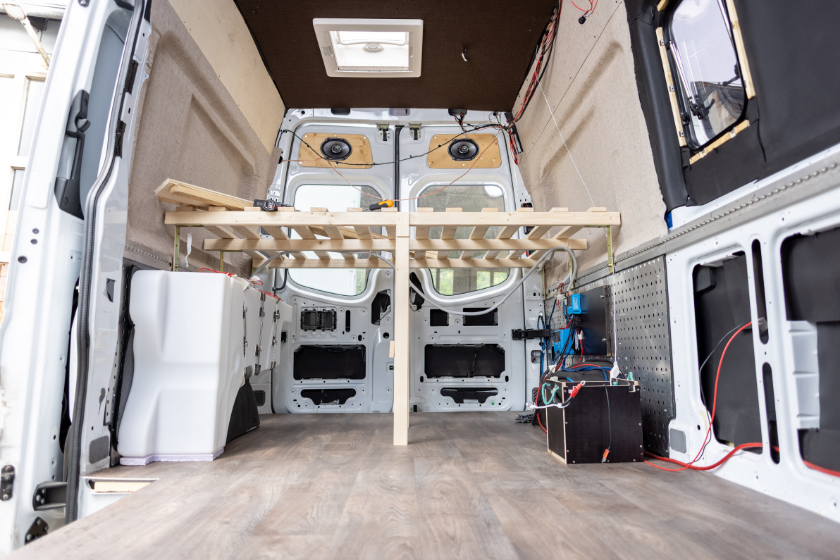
{"x":463,"y":149}
{"x":336,"y":149}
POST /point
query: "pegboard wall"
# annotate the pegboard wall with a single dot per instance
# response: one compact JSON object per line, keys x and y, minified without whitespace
{"x":644,"y":342}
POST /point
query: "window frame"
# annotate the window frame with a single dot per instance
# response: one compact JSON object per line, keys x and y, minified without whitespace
{"x":679,"y":79}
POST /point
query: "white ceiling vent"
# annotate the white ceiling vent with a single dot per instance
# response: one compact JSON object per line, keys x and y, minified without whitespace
{"x":370,"y":48}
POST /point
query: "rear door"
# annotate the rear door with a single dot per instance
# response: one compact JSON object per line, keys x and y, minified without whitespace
{"x":65,"y":266}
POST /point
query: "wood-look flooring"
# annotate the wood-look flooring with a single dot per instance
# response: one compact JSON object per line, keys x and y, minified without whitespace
{"x":469,"y":485}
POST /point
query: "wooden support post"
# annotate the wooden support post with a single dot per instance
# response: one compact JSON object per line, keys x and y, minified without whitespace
{"x":401,"y":332}
{"x":221,"y":261}
{"x":610,"y":255}
{"x":177,"y":256}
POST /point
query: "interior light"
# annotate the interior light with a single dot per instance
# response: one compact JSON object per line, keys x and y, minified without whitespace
{"x":370,"y":48}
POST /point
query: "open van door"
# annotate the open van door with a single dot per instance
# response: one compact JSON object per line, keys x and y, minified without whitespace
{"x":66,"y":270}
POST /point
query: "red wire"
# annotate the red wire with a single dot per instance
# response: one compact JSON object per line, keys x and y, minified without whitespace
{"x":712,"y":419}
{"x":696,"y":468}
{"x":726,"y":458}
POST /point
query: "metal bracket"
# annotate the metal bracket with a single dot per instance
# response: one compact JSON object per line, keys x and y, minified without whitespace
{"x":384,"y":131}
{"x":49,"y":495}
{"x":527,"y":334}
{"x":37,"y":530}
{"x":414,"y":130}
{"x":7,"y":482}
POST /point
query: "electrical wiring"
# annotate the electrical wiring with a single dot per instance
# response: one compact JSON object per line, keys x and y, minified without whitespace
{"x":695,"y":467}
{"x":563,"y":404}
{"x":714,"y":405}
{"x":334,"y":167}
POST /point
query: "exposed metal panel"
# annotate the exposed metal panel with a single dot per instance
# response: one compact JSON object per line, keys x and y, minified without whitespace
{"x":644,"y":345}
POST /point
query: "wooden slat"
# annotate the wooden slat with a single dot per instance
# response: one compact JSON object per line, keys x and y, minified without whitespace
{"x":518,"y":219}
{"x":383,"y":218}
{"x":506,"y":233}
{"x":563,"y":236}
{"x":450,"y":228}
{"x":536,"y":233}
{"x":669,"y":82}
{"x":362,"y":232}
{"x":390,"y":229}
{"x":172,"y":191}
{"x":355,"y":245}
{"x":478,"y":232}
{"x":414,"y":263}
{"x":285,"y":219}
{"x":422,"y":232}
{"x":227,"y":232}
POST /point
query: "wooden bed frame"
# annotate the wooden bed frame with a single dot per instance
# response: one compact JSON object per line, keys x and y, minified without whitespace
{"x":236,"y":222}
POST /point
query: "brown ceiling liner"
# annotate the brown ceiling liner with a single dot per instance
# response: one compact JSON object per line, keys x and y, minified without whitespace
{"x":500,"y":37}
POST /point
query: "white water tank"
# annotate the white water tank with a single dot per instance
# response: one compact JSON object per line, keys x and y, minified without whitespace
{"x":190,"y":360}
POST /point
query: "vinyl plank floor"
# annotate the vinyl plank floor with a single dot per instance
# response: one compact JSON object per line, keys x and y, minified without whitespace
{"x":469,"y":485}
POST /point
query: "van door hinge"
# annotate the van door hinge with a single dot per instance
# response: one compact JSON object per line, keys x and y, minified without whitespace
{"x":49,"y":495}
{"x":414,"y":130}
{"x":384,"y":131}
{"x":7,"y":482}
{"x":527,"y":334}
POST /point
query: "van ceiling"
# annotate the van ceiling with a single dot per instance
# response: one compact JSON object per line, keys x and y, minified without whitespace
{"x":500,"y":37}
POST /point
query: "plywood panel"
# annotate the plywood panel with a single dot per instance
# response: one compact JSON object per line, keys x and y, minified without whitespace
{"x":311,"y":156}
{"x":220,"y":32}
{"x":488,"y":152}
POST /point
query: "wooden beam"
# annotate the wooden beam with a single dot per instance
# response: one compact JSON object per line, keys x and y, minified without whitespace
{"x":402,"y":342}
{"x":176,"y":192}
{"x":384,"y":218}
{"x":516,"y":219}
{"x":285,"y":219}
{"x":451,"y":227}
{"x":422,"y":232}
{"x":413,"y":263}
{"x":506,"y":233}
{"x":478,"y":232}
{"x":536,"y":233}
{"x":562,"y":236}
{"x":390,"y":229}
{"x":355,"y":245}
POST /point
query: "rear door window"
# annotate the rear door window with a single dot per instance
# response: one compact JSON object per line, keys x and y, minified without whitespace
{"x":454,"y":281}
{"x":336,"y":198}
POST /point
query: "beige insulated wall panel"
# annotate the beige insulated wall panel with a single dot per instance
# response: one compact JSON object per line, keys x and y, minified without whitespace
{"x":189,"y":129}
{"x":218,"y":29}
{"x":590,"y":87}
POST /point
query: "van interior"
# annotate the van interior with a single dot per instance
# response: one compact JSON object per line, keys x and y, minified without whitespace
{"x":379,"y":279}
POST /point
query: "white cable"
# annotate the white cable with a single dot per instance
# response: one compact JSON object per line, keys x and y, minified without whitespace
{"x":567,"y":146}
{"x":569,"y":277}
